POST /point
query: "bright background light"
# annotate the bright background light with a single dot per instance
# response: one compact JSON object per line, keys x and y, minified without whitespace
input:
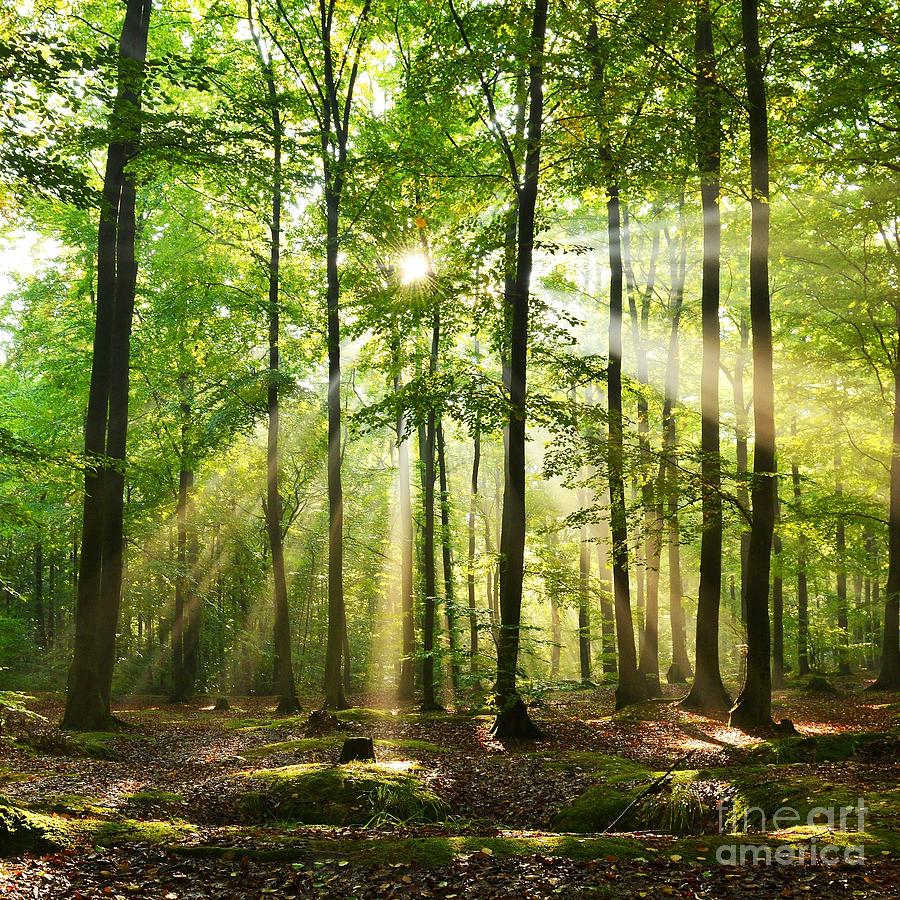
{"x":413,"y":268}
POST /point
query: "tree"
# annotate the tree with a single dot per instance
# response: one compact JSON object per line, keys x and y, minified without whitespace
{"x":753,"y":708}
{"x":707,"y":691}
{"x":106,"y":423}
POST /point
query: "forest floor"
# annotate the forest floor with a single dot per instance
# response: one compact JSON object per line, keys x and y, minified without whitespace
{"x":188,"y":802}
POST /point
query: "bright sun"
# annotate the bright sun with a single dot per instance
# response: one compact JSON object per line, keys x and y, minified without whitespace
{"x":413,"y":268}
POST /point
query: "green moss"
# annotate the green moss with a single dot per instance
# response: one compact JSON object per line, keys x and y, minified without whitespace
{"x":610,"y":769}
{"x":132,"y":831}
{"x":824,"y":748}
{"x":364,"y":714}
{"x":299,"y":745}
{"x":433,"y":851}
{"x":356,"y":793}
{"x":72,"y":805}
{"x":410,"y":744}
{"x":99,"y":744}
{"x":22,"y":829}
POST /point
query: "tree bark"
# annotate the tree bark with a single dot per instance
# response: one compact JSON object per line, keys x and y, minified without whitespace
{"x":753,"y":708}
{"x":840,"y":540}
{"x":407,"y":684}
{"x":802,"y":588}
{"x":707,"y":691}
{"x":470,"y":569}
{"x":99,"y":581}
{"x":630,"y":688}
{"x":447,"y":560}
{"x":512,"y":719}
{"x":777,"y":605}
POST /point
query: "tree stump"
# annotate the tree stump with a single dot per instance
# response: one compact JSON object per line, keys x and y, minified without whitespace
{"x":358,"y":749}
{"x":820,"y":685}
{"x":222,"y":704}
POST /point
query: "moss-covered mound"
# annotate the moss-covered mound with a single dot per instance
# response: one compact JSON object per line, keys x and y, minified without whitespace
{"x":828,"y":748}
{"x":352,"y":794}
{"x":21,"y":829}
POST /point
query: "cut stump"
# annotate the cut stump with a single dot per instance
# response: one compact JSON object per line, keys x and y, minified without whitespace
{"x":222,"y":704}
{"x":358,"y":749}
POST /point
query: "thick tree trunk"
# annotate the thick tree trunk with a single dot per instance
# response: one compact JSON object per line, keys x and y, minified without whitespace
{"x":512,"y":717}
{"x":707,"y":691}
{"x":99,"y":582}
{"x":753,"y":708}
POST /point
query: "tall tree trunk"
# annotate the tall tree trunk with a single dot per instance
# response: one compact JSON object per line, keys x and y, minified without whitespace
{"x":426,"y":452}
{"x":777,"y":605}
{"x":707,"y":691}
{"x":802,"y":588}
{"x":99,"y":583}
{"x":512,"y":719}
{"x":889,"y":675}
{"x":334,"y":687}
{"x":177,"y":635}
{"x":470,"y":569}
{"x":584,"y":605}
{"x":741,"y":453}
{"x":284,"y":671}
{"x":407,"y":681}
{"x":447,"y":559}
{"x":841,"y":550}
{"x":607,"y":611}
{"x":648,"y":656}
{"x":680,"y":669}
{"x":630,"y":688}
{"x":753,"y":708}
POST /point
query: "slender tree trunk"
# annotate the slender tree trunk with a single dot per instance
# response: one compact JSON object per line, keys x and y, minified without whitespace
{"x":426,"y":451}
{"x":753,"y":708}
{"x":742,"y":456}
{"x":99,"y":583}
{"x":841,"y":550}
{"x":512,"y":719}
{"x":407,"y":683}
{"x":607,"y":610}
{"x":889,"y":675}
{"x":177,"y":635}
{"x":777,"y":605}
{"x":584,"y":605}
{"x":470,"y":570}
{"x":630,"y":688}
{"x":707,"y":691}
{"x":334,"y":688}
{"x":680,"y":669}
{"x":447,"y":559}
{"x":802,"y":588}
{"x":284,"y":671}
